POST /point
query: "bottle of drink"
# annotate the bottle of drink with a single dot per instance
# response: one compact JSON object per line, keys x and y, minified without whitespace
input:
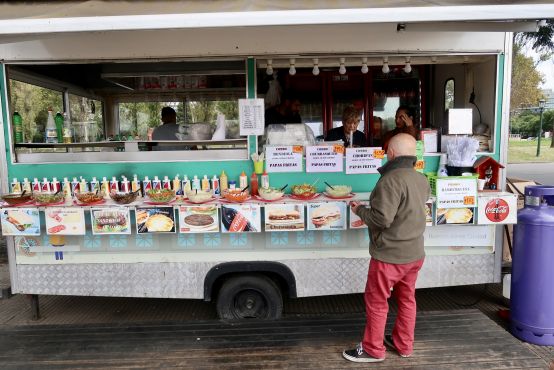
{"x":254,"y":184}
{"x":59,"y":126}
{"x":50,"y":134}
{"x":17,"y":127}
{"x":67,"y":130}
{"x":235,"y":221}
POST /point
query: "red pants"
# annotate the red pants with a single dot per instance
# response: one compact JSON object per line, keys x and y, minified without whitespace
{"x":381,"y":277}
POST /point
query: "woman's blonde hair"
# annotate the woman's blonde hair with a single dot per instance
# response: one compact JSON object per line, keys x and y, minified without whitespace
{"x":350,"y":113}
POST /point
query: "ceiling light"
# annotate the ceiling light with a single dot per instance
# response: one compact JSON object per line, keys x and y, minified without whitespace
{"x":433,"y":59}
{"x":466,"y":59}
{"x":342,"y":68}
{"x":364,"y":66}
{"x":385,"y":68}
{"x":408,"y":66}
{"x":292,"y":69}
{"x":315,"y":71}
{"x":269,"y":68}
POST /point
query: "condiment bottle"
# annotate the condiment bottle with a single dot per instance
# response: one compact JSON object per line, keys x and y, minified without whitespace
{"x":94,"y":185}
{"x":74,"y":186}
{"x":114,"y":185}
{"x":186,"y":185}
{"x":146,"y":186}
{"x":66,"y":189}
{"x":55,"y":185}
{"x":83,"y":186}
{"x":26,"y":185}
{"x":216,"y":190}
{"x":125,"y":185}
{"x":254,"y":184}
{"x":45,"y":185}
{"x":265,"y":180}
{"x":195,"y":183}
{"x":223,"y":182}
{"x":232,"y":185}
{"x":36,"y":186}
{"x":243,"y":180}
{"x":205,"y":183}
{"x":156,"y":183}
{"x":177,"y":186}
{"x":166,"y":183}
{"x":105,"y":187}
{"x":15,"y":186}
{"x":442,"y":172}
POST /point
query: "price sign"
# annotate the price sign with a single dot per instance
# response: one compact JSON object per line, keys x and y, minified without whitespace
{"x":363,"y":160}
{"x":456,"y":193}
{"x":324,"y":158}
{"x":378,"y":153}
{"x":251,"y":117}
{"x":283,"y":158}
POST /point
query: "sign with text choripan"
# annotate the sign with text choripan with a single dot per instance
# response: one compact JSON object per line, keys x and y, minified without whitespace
{"x":456,"y":192}
{"x":286,"y":158}
{"x":363,"y":160}
{"x":324,"y":158}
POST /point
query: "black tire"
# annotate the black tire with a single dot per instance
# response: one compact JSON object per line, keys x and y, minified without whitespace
{"x":249,"y":297}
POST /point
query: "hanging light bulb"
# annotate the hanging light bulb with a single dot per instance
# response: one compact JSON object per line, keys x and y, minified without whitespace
{"x":342,"y":68}
{"x":315,"y":71}
{"x":364,"y":65}
{"x":292,"y":69}
{"x":433,"y":59}
{"x":408,"y":66}
{"x":466,"y":59}
{"x":269,"y":68}
{"x":385,"y":68}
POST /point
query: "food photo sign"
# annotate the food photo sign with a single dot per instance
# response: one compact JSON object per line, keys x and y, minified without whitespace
{"x":286,"y":158}
{"x":64,"y":221}
{"x":199,"y":219}
{"x":363,"y":160}
{"x":20,"y":221}
{"x":325,"y":158}
{"x":153,"y":220}
{"x":284,"y":217}
{"x":326,"y":216}
{"x":241,"y":218}
{"x":456,"y":192}
{"x":355,"y":221}
{"x":107,"y":221}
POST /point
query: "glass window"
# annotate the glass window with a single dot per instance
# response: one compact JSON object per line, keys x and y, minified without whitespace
{"x":86,"y":118}
{"x":138,"y":119}
{"x":32,"y":103}
{"x":449,"y":94}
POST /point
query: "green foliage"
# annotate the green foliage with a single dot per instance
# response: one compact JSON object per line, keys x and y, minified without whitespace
{"x":526,"y":79}
{"x":541,"y":41}
{"x":527,"y":123}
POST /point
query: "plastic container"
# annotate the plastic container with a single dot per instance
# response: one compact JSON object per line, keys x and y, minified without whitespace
{"x":532,"y":296}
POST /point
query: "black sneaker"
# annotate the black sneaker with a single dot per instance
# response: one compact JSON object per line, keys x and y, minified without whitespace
{"x":359,"y":355}
{"x":388,"y":341}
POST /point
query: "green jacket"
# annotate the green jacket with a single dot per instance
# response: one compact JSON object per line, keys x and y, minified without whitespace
{"x":396,"y":217}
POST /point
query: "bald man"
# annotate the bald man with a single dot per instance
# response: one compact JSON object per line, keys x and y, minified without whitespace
{"x":396,"y":222}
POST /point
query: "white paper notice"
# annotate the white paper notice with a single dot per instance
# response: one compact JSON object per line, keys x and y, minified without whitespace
{"x":283,"y":158}
{"x":456,"y":193}
{"x":460,"y":121}
{"x":324,"y":158}
{"x":251,"y":117}
{"x":363,"y":160}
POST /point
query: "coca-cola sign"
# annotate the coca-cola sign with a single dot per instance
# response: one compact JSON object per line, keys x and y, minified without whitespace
{"x":497,"y":210}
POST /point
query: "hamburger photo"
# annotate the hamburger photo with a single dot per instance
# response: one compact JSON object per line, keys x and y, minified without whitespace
{"x":325,"y":215}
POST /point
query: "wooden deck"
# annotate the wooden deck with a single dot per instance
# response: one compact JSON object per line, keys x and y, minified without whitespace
{"x":462,"y":339}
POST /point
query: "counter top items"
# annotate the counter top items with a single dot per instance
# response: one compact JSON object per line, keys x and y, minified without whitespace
{"x":199,"y":197}
{"x":15,"y":199}
{"x":236,"y":195}
{"x":88,"y":198}
{"x":160,"y":196}
{"x":338,"y":191}
{"x":123,"y":198}
{"x":488,"y":170}
{"x":44,"y":199}
{"x":270,"y":194}
{"x":304,"y":191}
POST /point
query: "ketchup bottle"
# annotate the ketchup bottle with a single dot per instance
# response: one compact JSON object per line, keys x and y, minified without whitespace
{"x":254,"y":184}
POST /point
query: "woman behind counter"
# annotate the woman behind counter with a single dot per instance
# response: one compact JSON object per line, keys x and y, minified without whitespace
{"x":404,"y":120}
{"x":350,"y":122}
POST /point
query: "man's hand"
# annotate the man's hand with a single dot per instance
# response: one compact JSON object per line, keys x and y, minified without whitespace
{"x":354,"y":206}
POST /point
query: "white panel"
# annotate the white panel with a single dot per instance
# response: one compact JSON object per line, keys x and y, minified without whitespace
{"x":459,"y":236}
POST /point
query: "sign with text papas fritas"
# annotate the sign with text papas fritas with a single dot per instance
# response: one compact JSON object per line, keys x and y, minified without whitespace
{"x":497,"y":208}
{"x":456,"y":192}
{"x":324,"y":158}
{"x":286,"y":158}
{"x":363,"y":160}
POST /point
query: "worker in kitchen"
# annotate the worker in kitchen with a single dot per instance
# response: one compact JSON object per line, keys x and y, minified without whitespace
{"x":396,"y":222}
{"x":287,"y":111}
{"x":349,"y":130}
{"x":376,"y":131}
{"x":404,"y":120}
{"x":169,"y":126}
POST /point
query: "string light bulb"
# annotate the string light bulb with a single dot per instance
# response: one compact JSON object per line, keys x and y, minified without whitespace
{"x":292,"y":69}
{"x":385,"y":68}
{"x":315,"y":70}
{"x":342,"y":68}
{"x":408,"y":66}
{"x":269,"y":68}
{"x":364,"y":66}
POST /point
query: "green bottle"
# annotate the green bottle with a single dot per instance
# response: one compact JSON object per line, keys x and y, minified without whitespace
{"x":17,"y":128}
{"x":59,"y":126}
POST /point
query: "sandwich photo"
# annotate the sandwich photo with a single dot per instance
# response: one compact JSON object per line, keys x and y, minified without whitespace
{"x":325,"y":215}
{"x":286,"y":215}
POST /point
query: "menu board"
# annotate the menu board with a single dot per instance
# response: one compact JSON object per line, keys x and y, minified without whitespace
{"x":363,"y":160}
{"x":326,"y":216}
{"x":238,"y":218}
{"x":251,"y":117}
{"x":153,"y":220}
{"x":324,"y":158}
{"x":199,"y":219}
{"x":64,"y":221}
{"x":284,"y":217}
{"x":355,"y":221}
{"x":456,"y":192}
{"x":286,"y":158}
{"x":110,"y":221}
{"x":455,"y":216}
{"x":20,"y":221}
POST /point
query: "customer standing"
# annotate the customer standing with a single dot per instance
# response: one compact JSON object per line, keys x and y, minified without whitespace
{"x":396,"y":222}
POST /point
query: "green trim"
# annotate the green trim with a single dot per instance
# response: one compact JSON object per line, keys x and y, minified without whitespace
{"x":251,"y":94}
{"x":500,"y":99}
{"x":5,"y":111}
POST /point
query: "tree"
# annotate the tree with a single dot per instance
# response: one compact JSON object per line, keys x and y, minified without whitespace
{"x":525,"y":90}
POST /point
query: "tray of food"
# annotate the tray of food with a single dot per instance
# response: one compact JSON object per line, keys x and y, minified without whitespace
{"x":17,"y":199}
{"x":339,"y":192}
{"x":123,"y":198}
{"x":236,"y":196}
{"x":199,"y":197}
{"x":160,"y":196}
{"x":88,"y":199}
{"x":270,"y":194}
{"x":304,"y":192}
{"x":48,"y":199}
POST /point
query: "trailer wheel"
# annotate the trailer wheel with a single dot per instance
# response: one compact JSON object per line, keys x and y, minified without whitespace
{"x":249,"y":296}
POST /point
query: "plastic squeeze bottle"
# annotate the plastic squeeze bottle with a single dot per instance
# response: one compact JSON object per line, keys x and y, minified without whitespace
{"x":223,"y":182}
{"x":243,"y":180}
{"x":254,"y":184}
{"x":265,"y":180}
{"x":205,"y":183}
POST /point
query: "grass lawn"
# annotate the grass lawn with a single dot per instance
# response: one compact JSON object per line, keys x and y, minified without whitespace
{"x":521,"y":151}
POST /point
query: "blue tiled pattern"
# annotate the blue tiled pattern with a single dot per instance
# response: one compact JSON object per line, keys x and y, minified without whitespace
{"x":279,"y":238}
{"x":118,"y":241}
{"x":92,"y":241}
{"x":144,"y":241}
{"x":305,"y":237}
{"x":238,"y":239}
{"x":212,"y":239}
{"x":187,"y":240}
{"x":332,"y":237}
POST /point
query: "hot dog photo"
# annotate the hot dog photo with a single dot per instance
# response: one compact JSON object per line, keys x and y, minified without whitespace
{"x":65,"y":221}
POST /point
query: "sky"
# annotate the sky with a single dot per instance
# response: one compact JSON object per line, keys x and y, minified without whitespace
{"x":547,"y":70}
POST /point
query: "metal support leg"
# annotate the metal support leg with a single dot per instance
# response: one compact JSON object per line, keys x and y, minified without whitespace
{"x":35,"y":309}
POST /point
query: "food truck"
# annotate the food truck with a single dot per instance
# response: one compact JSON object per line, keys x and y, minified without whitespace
{"x":190,"y":231}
